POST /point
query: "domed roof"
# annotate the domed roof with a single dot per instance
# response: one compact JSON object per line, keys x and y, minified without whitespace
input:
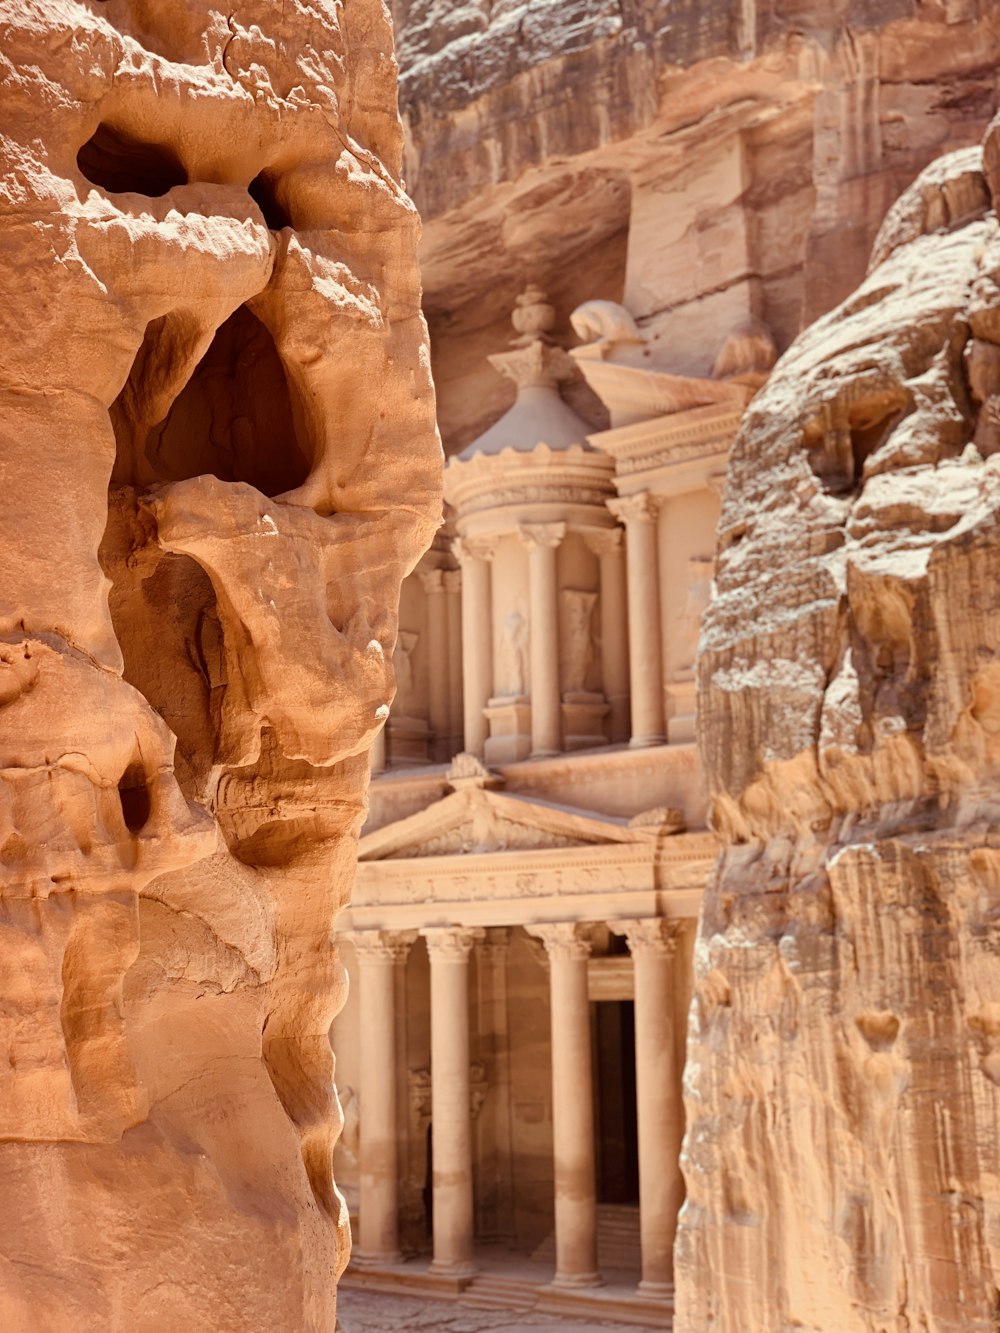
{"x":537,"y":366}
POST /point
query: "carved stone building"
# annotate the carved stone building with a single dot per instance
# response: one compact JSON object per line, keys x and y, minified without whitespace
{"x":522,"y":924}
{"x":691,"y":184}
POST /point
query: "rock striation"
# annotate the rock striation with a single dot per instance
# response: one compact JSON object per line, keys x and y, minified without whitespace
{"x":218,"y":461}
{"x":707,"y":163}
{"x":843,"y":1085}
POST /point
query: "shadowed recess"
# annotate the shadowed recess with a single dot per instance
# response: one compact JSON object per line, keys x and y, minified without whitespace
{"x":261,"y":191}
{"x":113,"y":161}
{"x":234,"y":417}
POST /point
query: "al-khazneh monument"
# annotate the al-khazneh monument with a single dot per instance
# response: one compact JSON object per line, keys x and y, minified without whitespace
{"x":218,"y":460}
{"x":842,"y":1155}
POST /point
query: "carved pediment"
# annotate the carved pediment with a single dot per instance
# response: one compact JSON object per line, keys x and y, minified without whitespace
{"x":476,"y":820}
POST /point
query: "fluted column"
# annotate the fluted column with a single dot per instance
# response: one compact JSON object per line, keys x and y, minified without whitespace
{"x":477,"y":638}
{"x":451,"y":1111}
{"x":542,"y":541}
{"x":608,"y":546}
{"x":432,"y":581}
{"x":379,"y":952}
{"x":653,"y":942}
{"x":453,"y":596}
{"x":639,"y":514}
{"x":568,"y":948}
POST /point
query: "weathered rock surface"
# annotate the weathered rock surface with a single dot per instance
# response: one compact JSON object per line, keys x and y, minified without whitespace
{"x":708,"y":162}
{"x":218,"y":460}
{"x":842,"y":1152}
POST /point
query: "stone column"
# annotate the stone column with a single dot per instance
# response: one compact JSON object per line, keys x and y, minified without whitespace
{"x":477,"y":639}
{"x":568,"y":948}
{"x":495,"y":1202}
{"x":379,"y":952}
{"x":453,"y":594}
{"x":608,"y":546}
{"x":652,"y":943}
{"x":451,"y":1110}
{"x":639,"y":513}
{"x":432,"y":582}
{"x":542,"y":541}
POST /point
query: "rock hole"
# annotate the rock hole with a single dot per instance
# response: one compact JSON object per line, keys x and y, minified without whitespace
{"x":134,"y":796}
{"x":113,"y":161}
{"x":234,"y":417}
{"x":261,"y":191}
{"x":868,"y":435}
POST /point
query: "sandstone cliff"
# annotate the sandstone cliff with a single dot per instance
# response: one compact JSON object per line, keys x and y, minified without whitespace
{"x":217,"y":462}
{"x":843,"y":1088}
{"x":707,"y":162}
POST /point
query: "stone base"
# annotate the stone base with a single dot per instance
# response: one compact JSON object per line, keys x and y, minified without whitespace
{"x":576,"y":1281}
{"x":407,"y":741}
{"x":510,"y":729}
{"x":583,"y":719}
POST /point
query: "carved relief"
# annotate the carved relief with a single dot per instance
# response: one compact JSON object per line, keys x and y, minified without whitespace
{"x":701,"y":570}
{"x":578,"y":654}
{"x":512,"y":658}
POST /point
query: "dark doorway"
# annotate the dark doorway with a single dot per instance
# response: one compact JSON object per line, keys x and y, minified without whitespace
{"x":615,"y":1105}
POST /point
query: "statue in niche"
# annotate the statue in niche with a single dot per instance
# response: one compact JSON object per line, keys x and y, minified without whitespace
{"x":403,"y":662}
{"x":701,"y":571}
{"x":513,"y":657}
{"x":577,"y":638}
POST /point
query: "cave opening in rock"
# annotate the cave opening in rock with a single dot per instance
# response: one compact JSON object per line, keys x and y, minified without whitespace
{"x":114,"y":161}
{"x":234,"y":418}
{"x":261,"y":191}
{"x":136,"y":802}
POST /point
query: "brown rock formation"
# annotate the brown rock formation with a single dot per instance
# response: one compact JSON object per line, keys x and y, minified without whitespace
{"x":210,"y":303}
{"x":707,"y":162}
{"x":844,"y":1064}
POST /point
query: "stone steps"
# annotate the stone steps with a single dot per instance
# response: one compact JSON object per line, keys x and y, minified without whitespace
{"x":502,"y":1292}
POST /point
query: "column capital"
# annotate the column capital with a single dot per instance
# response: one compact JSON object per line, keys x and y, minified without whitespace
{"x":494,"y":947}
{"x":452,"y":579}
{"x":564,"y":940}
{"x":431,"y":580}
{"x":604,"y":541}
{"x":466,"y":549}
{"x":451,"y":944}
{"x":542,"y":535}
{"x":651,"y":935}
{"x":382,"y":946}
{"x":639,"y":508}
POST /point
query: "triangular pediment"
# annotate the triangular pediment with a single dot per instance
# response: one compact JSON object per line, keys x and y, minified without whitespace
{"x":479,"y":821}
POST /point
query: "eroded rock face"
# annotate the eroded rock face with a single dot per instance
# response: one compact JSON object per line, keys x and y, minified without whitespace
{"x":842,"y":1151}
{"x":218,"y":461}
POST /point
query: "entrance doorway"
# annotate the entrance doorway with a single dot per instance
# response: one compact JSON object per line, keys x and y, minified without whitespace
{"x":617,"y":1147}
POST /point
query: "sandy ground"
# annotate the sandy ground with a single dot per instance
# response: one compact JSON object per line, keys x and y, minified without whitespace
{"x":375,"y":1312}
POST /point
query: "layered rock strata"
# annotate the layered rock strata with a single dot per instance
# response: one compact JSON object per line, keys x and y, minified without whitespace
{"x":706,"y":162}
{"x":843,"y":1087}
{"x":218,"y":461}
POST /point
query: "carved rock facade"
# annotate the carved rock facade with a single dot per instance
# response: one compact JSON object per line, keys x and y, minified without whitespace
{"x":842,"y":1086}
{"x":218,"y":462}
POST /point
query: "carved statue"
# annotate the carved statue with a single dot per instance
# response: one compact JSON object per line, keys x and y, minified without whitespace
{"x":513,"y":656}
{"x":403,"y":662}
{"x":577,"y":655}
{"x":699,"y":590}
